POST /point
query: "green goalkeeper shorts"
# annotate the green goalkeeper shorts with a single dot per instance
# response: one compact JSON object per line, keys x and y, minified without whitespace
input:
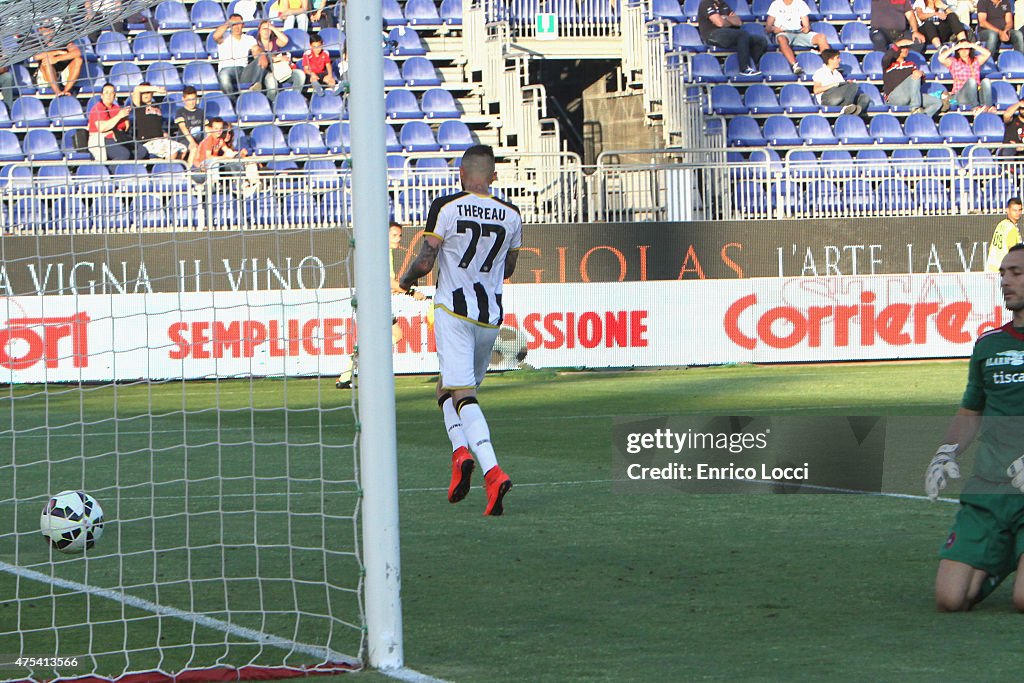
{"x":988,"y":533}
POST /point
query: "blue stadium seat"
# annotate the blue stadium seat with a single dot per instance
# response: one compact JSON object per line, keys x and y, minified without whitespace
{"x":165,"y":74}
{"x":822,"y":195}
{"x":872,"y":65}
{"x":186,"y":45}
{"x":419,"y":71}
{"x":933,"y":195}
{"x":305,"y":138}
{"x":171,"y":15}
{"x":326,"y":107}
{"x":223,"y":212}
{"x":996,"y":191}
{"x":886,"y":130}
{"x":402,"y":104}
{"x":392,"y":74}
{"x":804,"y":164}
{"x":268,"y":140}
{"x":850,"y":130}
{"x":837,"y":11}
{"x":334,"y":41}
{"x":978,"y":161}
{"x":298,"y":42}
{"x":16,"y":179}
{"x":938,"y":69}
{"x":183,"y":211}
{"x":796,"y":99}
{"x":438,"y":103}
{"x":759,"y":8}
{"x":894,"y":196}
{"x":28,"y":112}
{"x":1003,"y":94}
{"x":837,"y":162}
{"x":875,"y":95}
{"x":67,"y":146}
{"x":829,"y":32}
{"x":406,"y":42}
{"x":391,"y":13}
{"x":53,"y":179}
{"x":860,"y":196}
{"x":31,"y":215}
{"x":323,"y":173}
{"x":336,"y":206}
{"x":751,"y":199}
{"x":249,"y":11}
{"x":726,"y":100}
{"x":920,"y":128}
{"x":337,"y":138}
{"x":744,"y":131}
{"x":943,"y":160}
{"x":171,"y":177}
{"x":667,"y":9}
{"x":5,"y":117}
{"x":816,"y":130}
{"x":811,"y":62}
{"x":69,"y":214}
{"x":854,"y":36}
{"x":254,"y":107}
{"x":779,"y":131}
{"x":451,"y":12}
{"x":774,"y":67}
{"x":989,"y":127}
{"x":66,"y":112}
{"x":91,"y":79}
{"x":686,"y":38}
{"x":112,"y":46}
{"x":201,"y":76}
{"x":124,"y":76}
{"x":391,"y":143}
{"x":956,"y":129}
{"x":218,"y":104}
{"x":86,"y":48}
{"x":908,"y":162}
{"x":290,"y":105}
{"x":416,"y":136}
{"x":91,"y":178}
{"x":132,"y":178}
{"x":873,"y":163}
{"x":850,"y":67}
{"x":1011,"y":64}
{"x":422,"y":13}
{"x":454,"y":136}
{"x":207,"y":14}
{"x":26,"y":84}
{"x":705,"y":68}
{"x":41,"y":145}
{"x":148,"y":211}
{"x":760,"y":99}
{"x":733,"y":72}
{"x":397,"y":165}
{"x":743,"y":11}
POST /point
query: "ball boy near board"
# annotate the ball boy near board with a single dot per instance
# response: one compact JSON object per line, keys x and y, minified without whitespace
{"x":474,"y":237}
{"x":986,"y":543}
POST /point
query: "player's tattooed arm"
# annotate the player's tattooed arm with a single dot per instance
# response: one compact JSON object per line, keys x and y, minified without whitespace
{"x":510,"y":263}
{"x":421,"y":265}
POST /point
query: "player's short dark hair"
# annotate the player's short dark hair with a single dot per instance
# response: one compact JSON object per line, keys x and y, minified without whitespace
{"x":1017,"y":247}
{"x":828,"y":54}
{"x":315,"y":38}
{"x":236,"y":14}
{"x":479,"y":159}
{"x":394,"y":224}
{"x":189,"y":90}
{"x":216,"y":119}
{"x":1014,"y":200}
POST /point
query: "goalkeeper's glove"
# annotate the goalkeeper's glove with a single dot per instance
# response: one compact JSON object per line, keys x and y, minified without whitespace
{"x":1016,"y":472}
{"x":942,"y":468}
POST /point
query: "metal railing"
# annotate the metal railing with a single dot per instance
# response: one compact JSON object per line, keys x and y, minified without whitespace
{"x":574,"y":18}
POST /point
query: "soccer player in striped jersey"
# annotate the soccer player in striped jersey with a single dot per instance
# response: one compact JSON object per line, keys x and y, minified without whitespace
{"x":986,"y":543}
{"x":474,"y":237}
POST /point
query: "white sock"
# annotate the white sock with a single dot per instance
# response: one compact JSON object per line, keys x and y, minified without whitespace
{"x":453,"y":424}
{"x":474,"y":425}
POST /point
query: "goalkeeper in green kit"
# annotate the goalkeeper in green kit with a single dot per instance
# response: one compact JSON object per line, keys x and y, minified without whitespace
{"x":986,"y":543}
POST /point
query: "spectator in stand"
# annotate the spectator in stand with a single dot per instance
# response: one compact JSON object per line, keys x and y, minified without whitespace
{"x":108,"y":128}
{"x":233,"y":52}
{"x":273,"y":64}
{"x":54,"y":62}
{"x":893,"y":21}
{"x":937,"y":22}
{"x":789,"y":21}
{"x":323,"y":15}
{"x":831,"y":89}
{"x":151,"y":136}
{"x":720,"y":27}
{"x":902,"y":82}
{"x":1013,"y":119}
{"x":995,"y":26}
{"x":294,"y":13}
{"x":963,"y":10}
{"x":189,"y":121}
{"x":964,"y":62}
{"x":316,"y":64}
{"x":8,"y":88}
{"x":217,"y":147}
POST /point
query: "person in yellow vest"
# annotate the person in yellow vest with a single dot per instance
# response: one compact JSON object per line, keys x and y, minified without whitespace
{"x":1006,"y":235}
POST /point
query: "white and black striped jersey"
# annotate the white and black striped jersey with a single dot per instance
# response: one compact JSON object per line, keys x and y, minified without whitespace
{"x":476,"y":233}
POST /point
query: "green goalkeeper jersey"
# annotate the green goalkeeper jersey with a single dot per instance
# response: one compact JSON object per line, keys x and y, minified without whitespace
{"x":995,"y":387}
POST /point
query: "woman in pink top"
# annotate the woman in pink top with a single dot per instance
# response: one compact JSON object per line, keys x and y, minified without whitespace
{"x":969,"y":88}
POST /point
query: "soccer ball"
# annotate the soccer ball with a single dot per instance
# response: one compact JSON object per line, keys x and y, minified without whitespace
{"x":71,"y":521}
{"x":509,"y":349}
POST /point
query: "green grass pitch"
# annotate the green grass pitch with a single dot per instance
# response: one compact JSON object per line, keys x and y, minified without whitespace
{"x":577,"y":583}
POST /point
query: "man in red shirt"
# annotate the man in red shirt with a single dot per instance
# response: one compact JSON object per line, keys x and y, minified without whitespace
{"x":108,"y":120}
{"x":316,"y":63}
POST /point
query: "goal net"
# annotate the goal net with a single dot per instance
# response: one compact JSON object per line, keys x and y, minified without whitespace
{"x":170,"y":348}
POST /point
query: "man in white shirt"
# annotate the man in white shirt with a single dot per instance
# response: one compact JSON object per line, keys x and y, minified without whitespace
{"x":233,"y":52}
{"x":789,"y":22}
{"x":832,"y":90}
